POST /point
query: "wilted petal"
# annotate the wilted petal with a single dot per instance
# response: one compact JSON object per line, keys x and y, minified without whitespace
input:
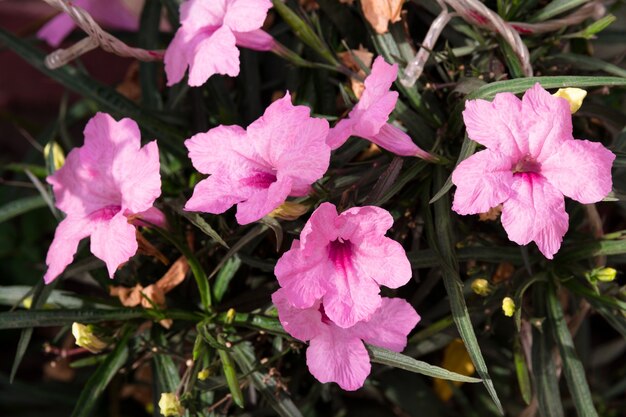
{"x":483,"y":181}
{"x":535,"y":211}
{"x":581,"y":170}
{"x":337,"y":356}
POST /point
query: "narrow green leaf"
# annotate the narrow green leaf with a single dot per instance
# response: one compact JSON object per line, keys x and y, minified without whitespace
{"x":47,"y":318}
{"x":555,"y":8}
{"x":12,"y":295}
{"x":100,"y":379}
{"x":201,"y":224}
{"x":18,"y":207}
{"x":521,"y":370}
{"x":512,"y":60}
{"x":165,"y":370}
{"x":267,"y":385}
{"x":148,"y":38}
{"x":251,"y":235}
{"x":274,"y":224}
{"x":439,"y":233}
{"x":228,"y":366}
{"x":586,"y":63}
{"x":398,"y":360}
{"x":467,"y":149}
{"x":543,"y":366}
{"x":223,"y":278}
{"x":572,"y":366}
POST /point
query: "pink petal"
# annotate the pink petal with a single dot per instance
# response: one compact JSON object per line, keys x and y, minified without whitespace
{"x":320,"y":230}
{"x":64,"y":245}
{"x":337,"y":356}
{"x":113,"y":14}
{"x":218,"y":149}
{"x":303,"y":324}
{"x":140,"y":178}
{"x":175,"y":58}
{"x":351,"y":296}
{"x":150,"y":217}
{"x":498,"y":125}
{"x":212,"y":54}
{"x":386,"y":263}
{"x":340,"y":133}
{"x":581,"y":170}
{"x":56,"y":30}
{"x":262,"y":201}
{"x":114,"y":242}
{"x":389,"y":326}
{"x":376,"y":104}
{"x":364,"y":225}
{"x":216,"y":194}
{"x":198,"y":14}
{"x":548,"y":122}
{"x":535,"y":211}
{"x":395,"y":140}
{"x":246,"y":15}
{"x":301,"y":275}
{"x":259,"y":40}
{"x":483,"y":181}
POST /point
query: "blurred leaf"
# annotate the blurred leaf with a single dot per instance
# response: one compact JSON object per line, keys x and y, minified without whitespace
{"x":100,"y":379}
{"x":543,"y":366}
{"x":586,"y":63}
{"x":521,"y":370}
{"x":226,"y":274}
{"x":11,"y":295}
{"x":164,"y":368}
{"x":21,"y":206}
{"x":572,"y":366}
{"x":52,"y":318}
{"x":201,"y":224}
{"x":148,"y":38}
{"x":398,"y":360}
{"x":267,"y":385}
{"x":228,"y":366}
{"x":274,"y":224}
{"x":556,"y":7}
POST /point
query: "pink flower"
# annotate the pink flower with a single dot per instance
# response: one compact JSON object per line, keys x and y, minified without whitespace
{"x":103,"y":186}
{"x":531,"y":162}
{"x":208,"y":37}
{"x":342,"y":259}
{"x":280,"y":154}
{"x":337,"y":354}
{"x":368,"y":119}
{"x":112,"y":14}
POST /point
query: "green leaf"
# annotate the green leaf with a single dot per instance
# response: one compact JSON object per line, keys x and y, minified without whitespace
{"x":467,"y":149}
{"x":543,"y":366}
{"x":265,"y":383}
{"x":165,"y":370}
{"x":228,"y":366}
{"x":226,"y":274}
{"x":148,"y":38}
{"x":439,"y":234}
{"x":572,"y":366}
{"x":521,"y":370}
{"x":201,"y":224}
{"x":398,"y":360}
{"x":586,"y":63}
{"x":50,"y":318}
{"x":100,"y":379}
{"x":555,"y":8}
{"x":18,"y":207}
{"x":12,"y":295}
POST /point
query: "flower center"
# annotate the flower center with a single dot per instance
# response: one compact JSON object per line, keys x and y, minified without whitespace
{"x":340,"y":254}
{"x":527,"y":164}
{"x":259,"y":179}
{"x":105,"y":213}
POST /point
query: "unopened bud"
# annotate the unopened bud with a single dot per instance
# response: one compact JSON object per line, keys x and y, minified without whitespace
{"x":87,"y":339}
{"x":169,"y":405}
{"x":289,"y":210}
{"x":204,"y":374}
{"x":602,"y":274}
{"x":574,"y":97}
{"x":481,"y":287}
{"x":508,"y":306}
{"x":54,"y":153}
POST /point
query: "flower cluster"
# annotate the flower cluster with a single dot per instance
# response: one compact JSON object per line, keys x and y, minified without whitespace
{"x":330,"y":282}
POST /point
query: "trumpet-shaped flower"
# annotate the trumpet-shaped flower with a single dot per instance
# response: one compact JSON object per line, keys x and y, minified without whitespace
{"x":112,"y":14}
{"x":368,"y":119}
{"x":337,"y":354}
{"x":208,"y":37}
{"x":531,"y":162}
{"x":342,"y":259}
{"x":280,"y":154}
{"x":104,"y":185}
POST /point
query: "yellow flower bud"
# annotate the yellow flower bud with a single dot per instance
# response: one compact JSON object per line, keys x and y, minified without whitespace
{"x":605,"y":274}
{"x":230,"y":315}
{"x":87,"y":339}
{"x":574,"y":96}
{"x":204,"y":374}
{"x":481,"y":287}
{"x":508,"y":306}
{"x":169,"y":405}
{"x":289,"y":210}
{"x":58,"y":157}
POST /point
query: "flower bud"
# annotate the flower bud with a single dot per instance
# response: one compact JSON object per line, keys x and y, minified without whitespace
{"x":169,"y":405}
{"x":574,"y":97}
{"x":87,"y":339}
{"x":54,"y":153}
{"x":604,"y":274}
{"x":204,"y":374}
{"x":508,"y":306}
{"x":289,"y":210}
{"x":481,"y":287}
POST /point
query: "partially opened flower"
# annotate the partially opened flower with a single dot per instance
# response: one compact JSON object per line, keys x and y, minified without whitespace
{"x":104,"y":185}
{"x":343,"y":259}
{"x":368,"y":119}
{"x":112,"y":14}
{"x":279,"y":155}
{"x":208,"y":37}
{"x":531,"y":161}
{"x":337,"y":354}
